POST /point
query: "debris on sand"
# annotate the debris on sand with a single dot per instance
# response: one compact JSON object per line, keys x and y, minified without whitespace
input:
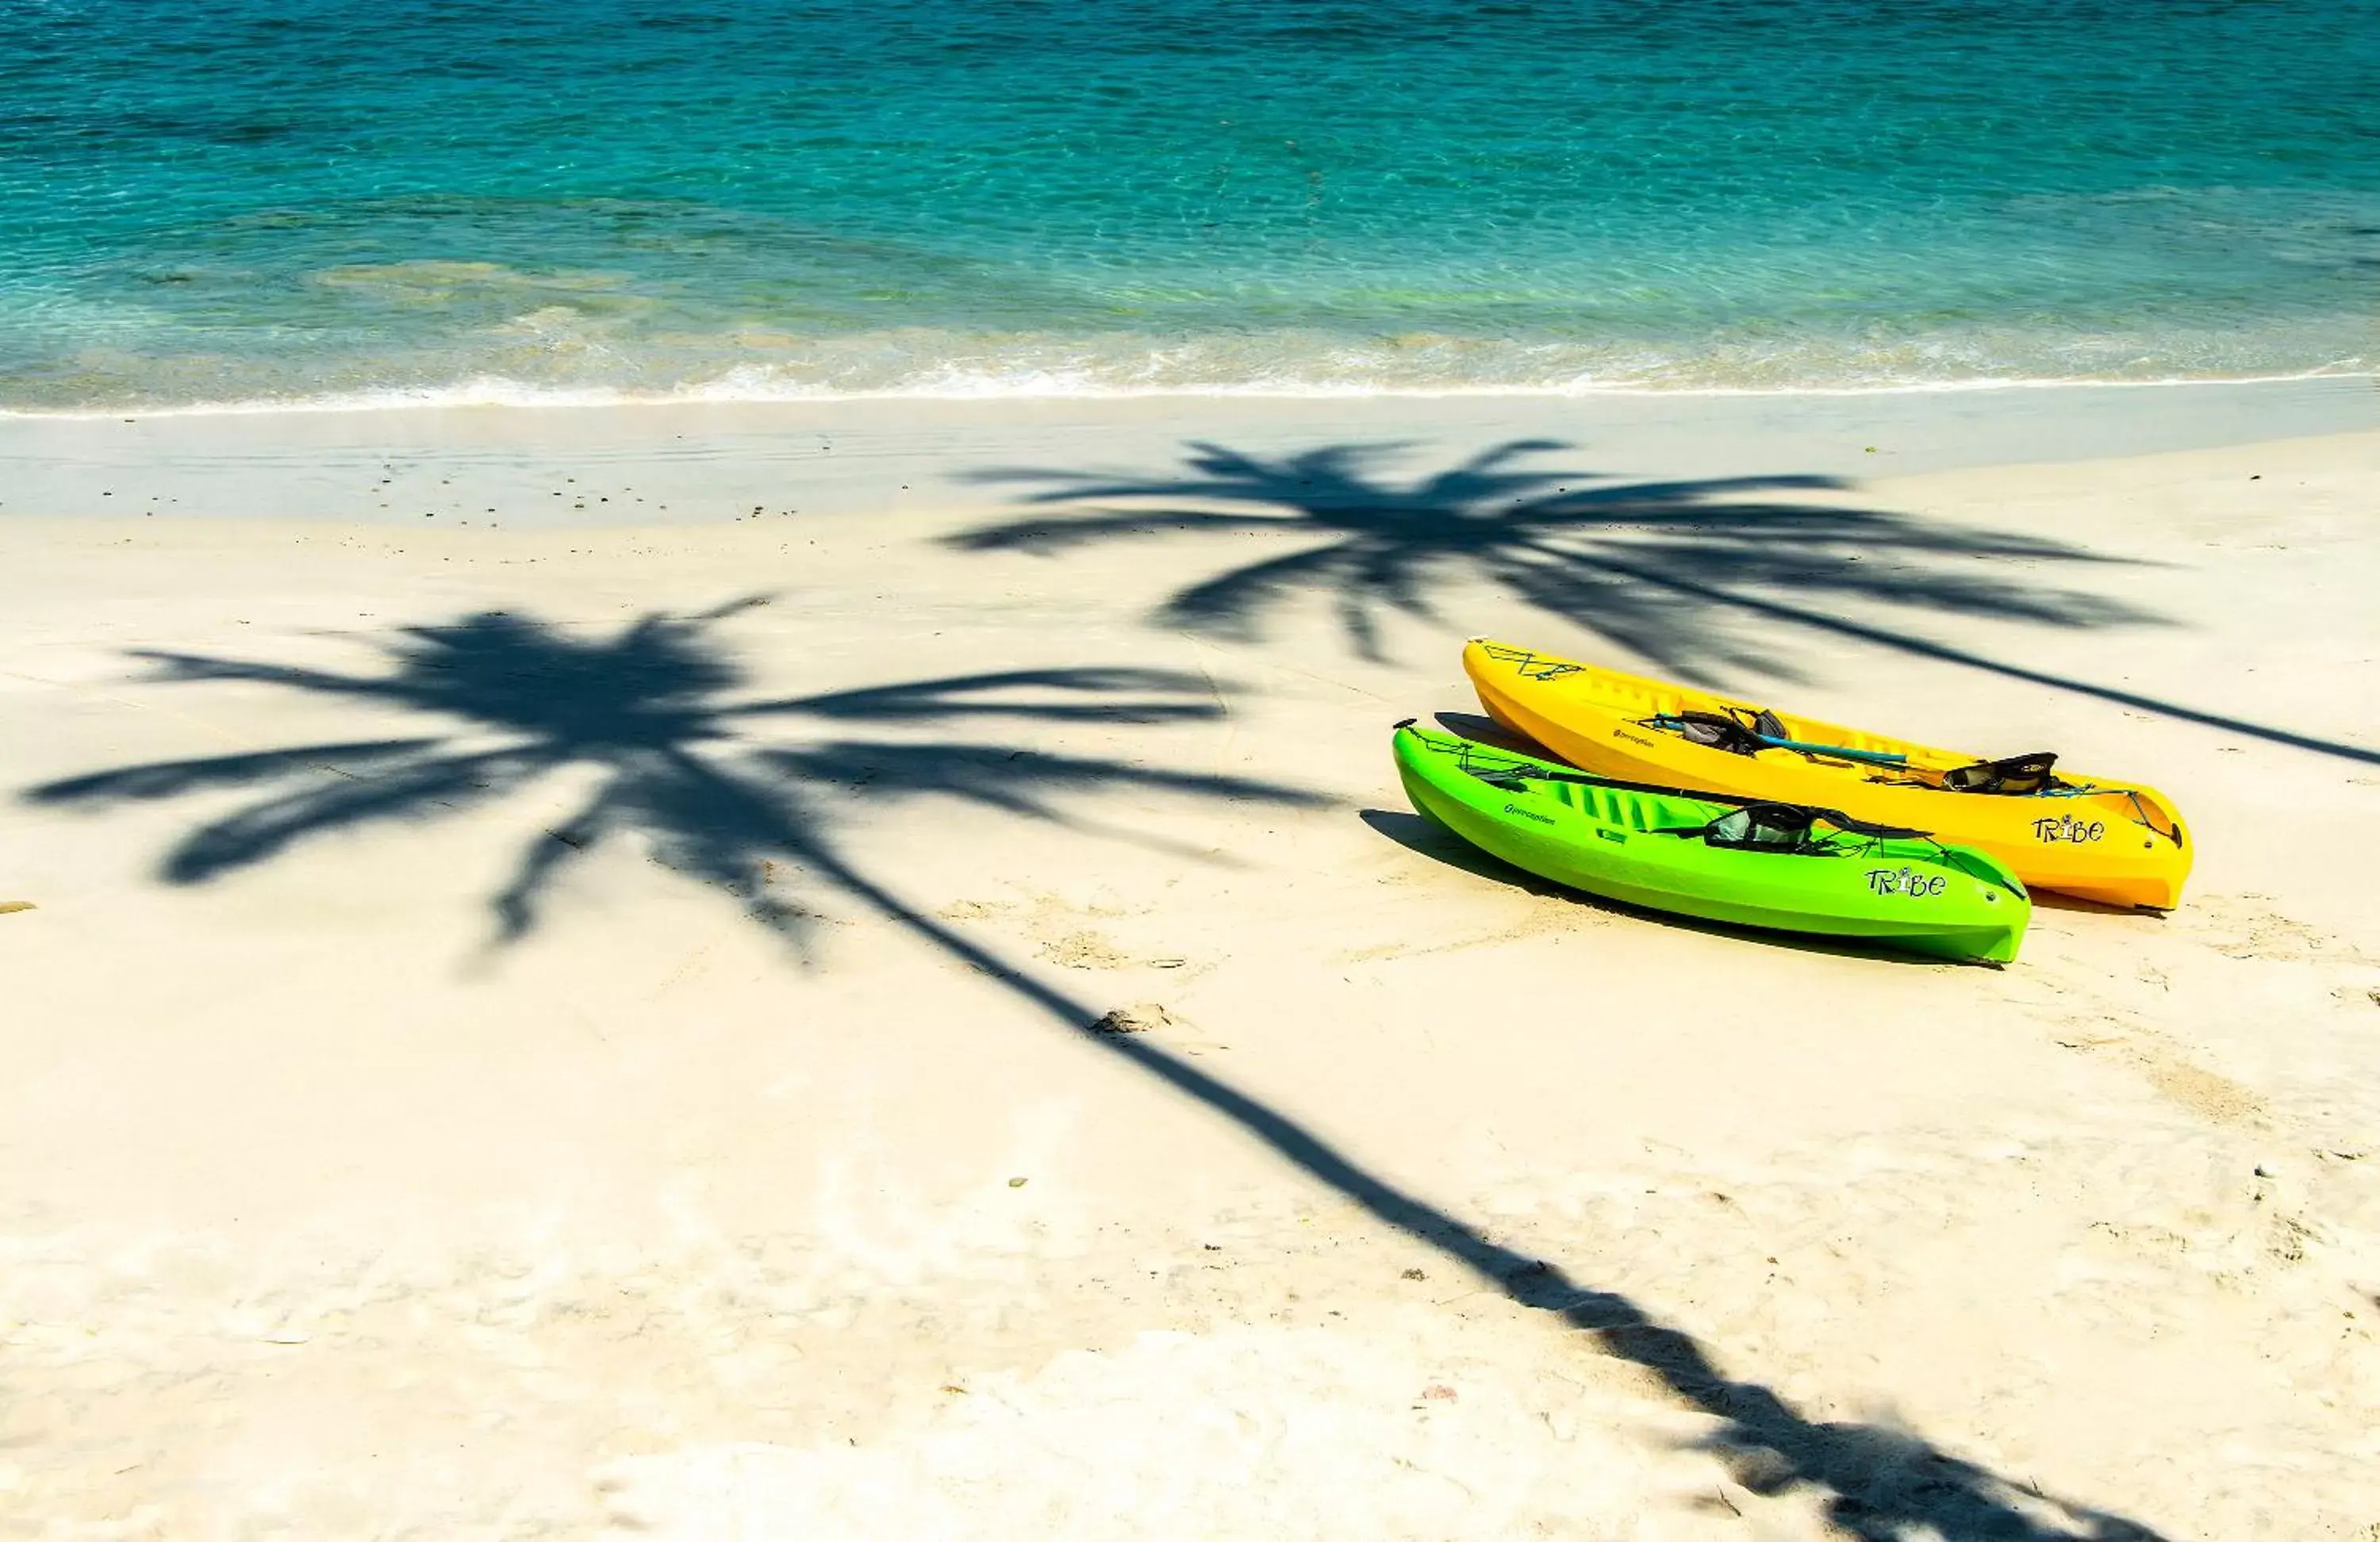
{"x":1140,"y":1017}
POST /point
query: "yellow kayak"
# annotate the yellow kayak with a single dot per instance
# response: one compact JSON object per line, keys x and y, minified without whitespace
{"x":2115,"y":841}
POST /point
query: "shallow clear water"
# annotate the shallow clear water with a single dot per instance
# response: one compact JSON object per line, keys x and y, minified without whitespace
{"x":279,"y":200}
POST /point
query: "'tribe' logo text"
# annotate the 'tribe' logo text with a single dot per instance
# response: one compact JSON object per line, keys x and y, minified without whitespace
{"x":2067,"y":829}
{"x":1904,"y":881}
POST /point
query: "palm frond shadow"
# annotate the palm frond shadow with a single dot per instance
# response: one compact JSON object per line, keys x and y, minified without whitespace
{"x":649,"y":709}
{"x":1697,"y":577}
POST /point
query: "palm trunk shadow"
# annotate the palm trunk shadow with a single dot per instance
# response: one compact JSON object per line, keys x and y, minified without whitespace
{"x":1926,"y":648}
{"x":1877,"y":1483}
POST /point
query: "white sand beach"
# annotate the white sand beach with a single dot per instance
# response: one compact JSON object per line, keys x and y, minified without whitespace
{"x":578,"y":959}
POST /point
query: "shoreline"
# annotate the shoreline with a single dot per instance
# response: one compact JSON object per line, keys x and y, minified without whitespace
{"x":694,"y":463}
{"x":512,"y":394}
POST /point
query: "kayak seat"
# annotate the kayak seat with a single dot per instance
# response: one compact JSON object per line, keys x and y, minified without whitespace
{"x":1712,"y":730}
{"x":2017,"y":776}
{"x":1780,"y":828}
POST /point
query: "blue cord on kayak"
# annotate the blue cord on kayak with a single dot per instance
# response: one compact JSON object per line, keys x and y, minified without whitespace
{"x":1872,"y":756}
{"x":1730,"y":732}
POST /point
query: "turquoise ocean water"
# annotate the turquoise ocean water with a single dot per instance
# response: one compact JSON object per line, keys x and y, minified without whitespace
{"x":333,"y":200}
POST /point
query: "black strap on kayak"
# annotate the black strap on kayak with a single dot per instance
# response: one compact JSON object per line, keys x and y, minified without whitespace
{"x":1841,"y":821}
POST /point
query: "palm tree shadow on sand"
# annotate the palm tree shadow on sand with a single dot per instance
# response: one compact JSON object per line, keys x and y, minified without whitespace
{"x":1695,"y":576}
{"x":650,"y":711}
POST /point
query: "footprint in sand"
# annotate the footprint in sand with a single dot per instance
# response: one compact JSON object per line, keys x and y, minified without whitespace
{"x":1051,"y":920}
{"x":2239,"y":927}
{"x":1086,"y":950}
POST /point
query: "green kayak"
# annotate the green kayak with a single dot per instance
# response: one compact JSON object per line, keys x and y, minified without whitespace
{"x":1777,"y":865}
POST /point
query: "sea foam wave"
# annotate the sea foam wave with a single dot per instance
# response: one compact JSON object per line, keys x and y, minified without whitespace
{"x":556,"y":367}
